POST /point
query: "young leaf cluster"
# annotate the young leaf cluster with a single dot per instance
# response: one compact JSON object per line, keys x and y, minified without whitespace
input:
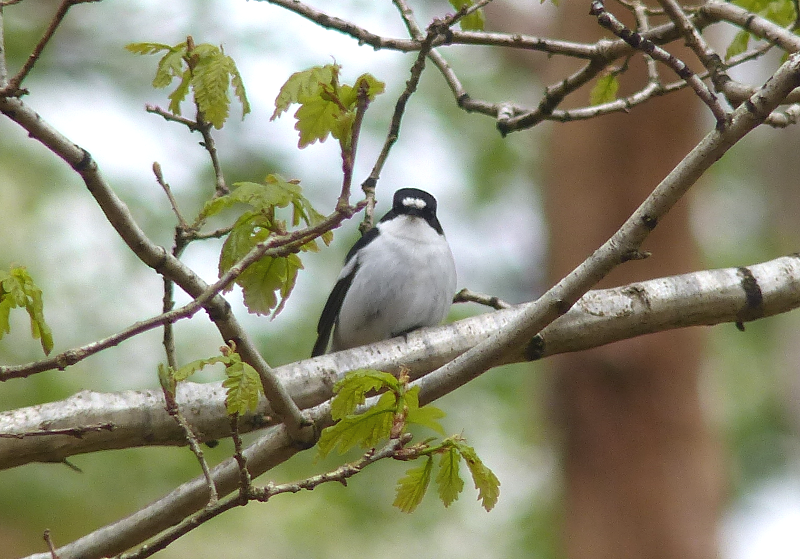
{"x":18,"y":290}
{"x":272,"y":277}
{"x":782,"y":12}
{"x":396,"y":409}
{"x":326,"y":106}
{"x":205,"y":70}
{"x":412,"y":487}
{"x":242,"y":382}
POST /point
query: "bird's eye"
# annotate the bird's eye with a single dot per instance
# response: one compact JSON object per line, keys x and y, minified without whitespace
{"x":414,"y":203}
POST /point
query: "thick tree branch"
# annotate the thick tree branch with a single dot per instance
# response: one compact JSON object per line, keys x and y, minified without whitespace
{"x":600,"y":317}
{"x":710,"y":297}
{"x":627,"y":240}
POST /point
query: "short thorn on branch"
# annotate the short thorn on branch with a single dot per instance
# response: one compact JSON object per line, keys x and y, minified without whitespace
{"x":49,"y":541}
{"x":467,"y":296}
{"x":635,"y":254}
{"x":166,"y":115}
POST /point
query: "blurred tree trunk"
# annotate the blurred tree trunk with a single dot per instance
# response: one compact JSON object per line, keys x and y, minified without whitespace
{"x":643,"y":475}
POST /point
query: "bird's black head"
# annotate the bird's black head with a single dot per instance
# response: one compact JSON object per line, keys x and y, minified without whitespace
{"x":417,"y":203}
{"x":413,"y":201}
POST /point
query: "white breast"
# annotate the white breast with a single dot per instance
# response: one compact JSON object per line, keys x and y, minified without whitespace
{"x":406,"y":279}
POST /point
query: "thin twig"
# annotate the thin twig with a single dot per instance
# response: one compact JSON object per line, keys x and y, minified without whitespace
{"x":553,"y":96}
{"x":465,"y":11}
{"x":394,"y":127}
{"x":363,"y":36}
{"x":168,"y":338}
{"x":639,"y":42}
{"x":171,"y":117}
{"x":221,"y":187}
{"x":238,"y":455}
{"x":643,"y":25}
{"x":171,"y":406}
{"x":349,"y":150}
{"x":467,"y":296}
{"x":168,"y":191}
{"x":208,"y":143}
{"x":13,"y":85}
{"x":710,"y":59}
{"x":340,"y":474}
{"x":215,"y":234}
{"x":181,"y":241}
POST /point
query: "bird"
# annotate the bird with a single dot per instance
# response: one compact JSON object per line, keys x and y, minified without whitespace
{"x":398,"y":277}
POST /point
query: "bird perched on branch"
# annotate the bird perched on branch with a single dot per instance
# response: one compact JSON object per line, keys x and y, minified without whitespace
{"x":398,"y":277}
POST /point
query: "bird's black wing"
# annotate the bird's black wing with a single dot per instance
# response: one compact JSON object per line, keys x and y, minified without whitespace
{"x":334,"y":303}
{"x":330,"y":312}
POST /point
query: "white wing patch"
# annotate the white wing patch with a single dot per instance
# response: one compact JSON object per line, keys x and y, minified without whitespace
{"x":418,"y":203}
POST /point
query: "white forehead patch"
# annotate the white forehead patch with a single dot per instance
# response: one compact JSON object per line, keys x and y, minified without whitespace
{"x":418,"y":203}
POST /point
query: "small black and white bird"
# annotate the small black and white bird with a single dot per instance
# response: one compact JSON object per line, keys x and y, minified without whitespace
{"x":398,"y":277}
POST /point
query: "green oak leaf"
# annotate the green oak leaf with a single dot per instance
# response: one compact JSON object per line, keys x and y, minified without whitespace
{"x":304,"y":85}
{"x":243,"y":387}
{"x":411,"y":488}
{"x":264,"y":280}
{"x":326,"y":106}
{"x":605,"y":90}
{"x":448,"y":479}
{"x":486,"y":482}
{"x":364,"y":430}
{"x":205,"y":70}
{"x":738,"y":45}
{"x":351,"y":390}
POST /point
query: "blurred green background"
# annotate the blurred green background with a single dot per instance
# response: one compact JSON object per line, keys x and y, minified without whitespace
{"x":94,"y":92}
